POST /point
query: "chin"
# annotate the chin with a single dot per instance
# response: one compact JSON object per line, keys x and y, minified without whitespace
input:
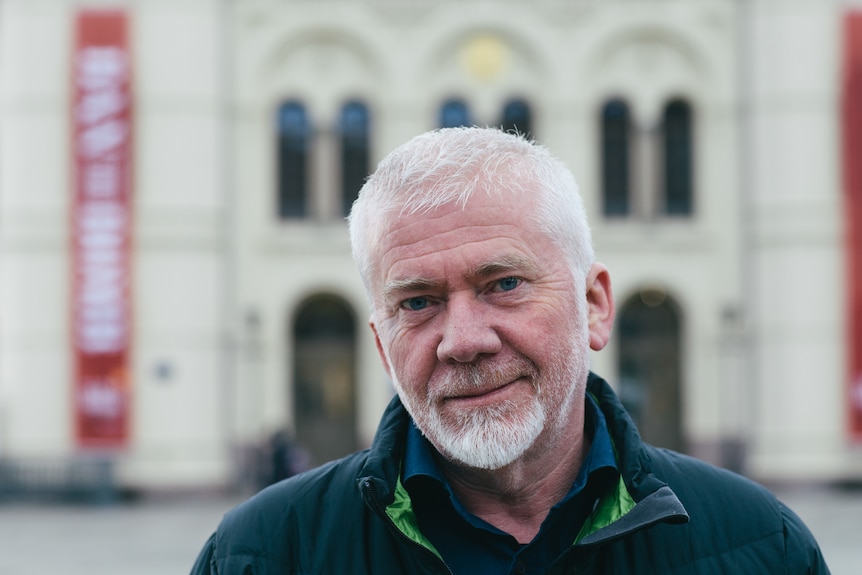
{"x":485,"y":439}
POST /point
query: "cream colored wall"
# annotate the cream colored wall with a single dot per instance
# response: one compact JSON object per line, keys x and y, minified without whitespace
{"x":797,"y":281}
{"x":649,"y":55}
{"x":322,"y":61}
{"x":183,"y":301}
{"x":763,"y":246}
{"x":178,"y":434}
{"x":35,"y":414}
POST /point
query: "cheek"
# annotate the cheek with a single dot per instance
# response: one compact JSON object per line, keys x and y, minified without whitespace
{"x":412,"y":360}
{"x":548,"y":337}
{"x":554,"y":322}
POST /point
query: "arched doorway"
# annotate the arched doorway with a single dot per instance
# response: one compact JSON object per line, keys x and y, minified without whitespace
{"x":324,"y":336}
{"x":649,"y":366}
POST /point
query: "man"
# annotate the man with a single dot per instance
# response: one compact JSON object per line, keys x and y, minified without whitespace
{"x":501,"y":452}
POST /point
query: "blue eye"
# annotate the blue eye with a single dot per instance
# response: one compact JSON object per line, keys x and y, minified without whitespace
{"x":509,"y":283}
{"x":416,"y":303}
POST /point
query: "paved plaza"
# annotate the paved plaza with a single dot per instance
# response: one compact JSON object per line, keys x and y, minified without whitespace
{"x":161,"y":536}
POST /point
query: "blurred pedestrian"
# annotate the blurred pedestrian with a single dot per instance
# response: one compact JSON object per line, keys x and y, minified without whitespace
{"x":286,"y":457}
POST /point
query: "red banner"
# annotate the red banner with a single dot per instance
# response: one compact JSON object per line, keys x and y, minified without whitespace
{"x":101,"y":228}
{"x":852,"y":152}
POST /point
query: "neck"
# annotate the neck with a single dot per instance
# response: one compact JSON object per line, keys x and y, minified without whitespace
{"x":518,"y":497}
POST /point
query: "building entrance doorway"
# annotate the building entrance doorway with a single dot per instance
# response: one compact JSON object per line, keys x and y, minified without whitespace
{"x":324,"y":378}
{"x":649,"y":366}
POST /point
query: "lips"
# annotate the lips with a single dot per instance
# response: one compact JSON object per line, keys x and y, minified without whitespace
{"x":488,"y":390}
{"x":481,"y":380}
{"x":488,"y":396}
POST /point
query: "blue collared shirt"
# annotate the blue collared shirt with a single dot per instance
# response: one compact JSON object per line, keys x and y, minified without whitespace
{"x":469,"y":544}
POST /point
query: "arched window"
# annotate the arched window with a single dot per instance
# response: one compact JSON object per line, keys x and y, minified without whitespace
{"x":615,"y":147}
{"x":649,"y":336}
{"x":353,"y":129}
{"x":294,"y":134}
{"x":454,"y":113}
{"x":677,"y":148}
{"x":324,"y":334}
{"x":517,"y":118}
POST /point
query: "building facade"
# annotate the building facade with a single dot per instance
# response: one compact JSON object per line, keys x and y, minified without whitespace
{"x":176,"y":173}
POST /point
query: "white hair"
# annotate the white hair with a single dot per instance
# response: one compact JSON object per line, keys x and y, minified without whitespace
{"x":450,"y":165}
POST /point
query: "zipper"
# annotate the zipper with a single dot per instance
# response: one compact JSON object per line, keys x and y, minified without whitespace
{"x":380,"y":508}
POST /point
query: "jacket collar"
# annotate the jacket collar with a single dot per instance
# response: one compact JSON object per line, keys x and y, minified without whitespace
{"x":641,"y":499}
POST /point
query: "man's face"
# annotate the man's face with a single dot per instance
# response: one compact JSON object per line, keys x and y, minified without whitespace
{"x":481,"y":328}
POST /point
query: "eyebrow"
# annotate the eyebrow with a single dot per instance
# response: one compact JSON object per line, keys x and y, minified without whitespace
{"x":408,"y":285}
{"x":505,"y":264}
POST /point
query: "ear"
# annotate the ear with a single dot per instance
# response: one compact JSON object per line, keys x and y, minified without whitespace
{"x":380,"y":347}
{"x":600,"y":306}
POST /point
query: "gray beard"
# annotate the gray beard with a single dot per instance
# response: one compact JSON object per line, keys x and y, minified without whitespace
{"x":495,"y":436}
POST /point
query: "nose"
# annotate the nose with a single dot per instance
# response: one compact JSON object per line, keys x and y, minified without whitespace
{"x":467,"y":330}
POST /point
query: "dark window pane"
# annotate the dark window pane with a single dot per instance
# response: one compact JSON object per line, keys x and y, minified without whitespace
{"x":354,"y":127}
{"x":676,"y":132}
{"x":293,"y":145}
{"x":454,"y":113}
{"x":615,"y":158}
{"x":517,"y":118}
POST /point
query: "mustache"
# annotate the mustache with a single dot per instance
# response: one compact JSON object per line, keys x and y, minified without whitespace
{"x":484,"y":376}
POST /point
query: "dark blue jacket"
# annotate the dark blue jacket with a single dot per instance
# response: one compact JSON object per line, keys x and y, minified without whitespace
{"x":668,"y":514}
